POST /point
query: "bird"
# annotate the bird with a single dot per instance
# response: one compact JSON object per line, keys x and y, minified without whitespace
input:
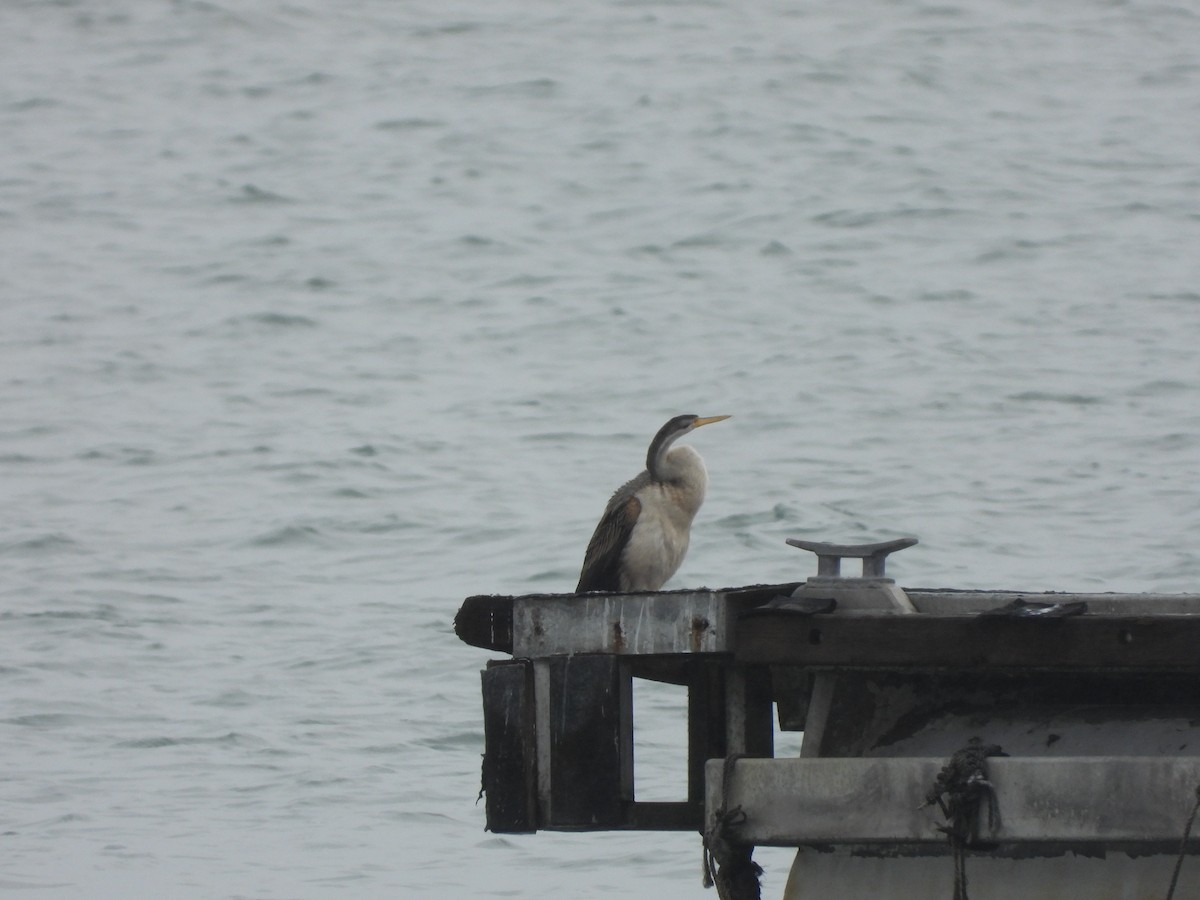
{"x":643,"y":535}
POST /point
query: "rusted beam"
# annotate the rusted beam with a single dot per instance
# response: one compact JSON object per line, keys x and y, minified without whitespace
{"x":487,"y":620}
{"x":623,"y":624}
{"x":687,"y":621}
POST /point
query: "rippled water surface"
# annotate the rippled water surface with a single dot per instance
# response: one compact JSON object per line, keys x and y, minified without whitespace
{"x":317,"y":318}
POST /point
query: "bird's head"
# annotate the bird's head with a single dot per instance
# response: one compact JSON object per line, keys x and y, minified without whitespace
{"x":671,"y":432}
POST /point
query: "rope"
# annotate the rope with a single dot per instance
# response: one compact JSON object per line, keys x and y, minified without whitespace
{"x":960,"y":787}
{"x":1187,"y":830}
{"x":727,"y":864}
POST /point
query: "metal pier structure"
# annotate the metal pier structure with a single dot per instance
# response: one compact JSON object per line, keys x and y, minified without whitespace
{"x":1005,"y":744}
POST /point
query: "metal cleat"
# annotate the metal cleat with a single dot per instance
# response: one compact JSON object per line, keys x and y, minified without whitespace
{"x":874,"y":556}
{"x":873,"y":590}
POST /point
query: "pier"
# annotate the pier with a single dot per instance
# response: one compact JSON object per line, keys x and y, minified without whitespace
{"x":1025,"y":744}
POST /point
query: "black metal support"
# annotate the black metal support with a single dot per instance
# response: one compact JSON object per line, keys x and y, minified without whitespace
{"x":509,"y":760}
{"x":706,"y":727}
{"x":759,"y":712}
{"x":591,"y":741}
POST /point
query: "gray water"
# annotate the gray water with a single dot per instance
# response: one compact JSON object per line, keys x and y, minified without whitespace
{"x":317,"y":318}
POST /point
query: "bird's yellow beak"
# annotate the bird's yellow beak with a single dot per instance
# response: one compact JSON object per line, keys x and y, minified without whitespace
{"x":708,"y":420}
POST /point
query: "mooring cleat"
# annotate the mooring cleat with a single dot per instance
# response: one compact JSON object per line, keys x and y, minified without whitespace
{"x":874,"y":556}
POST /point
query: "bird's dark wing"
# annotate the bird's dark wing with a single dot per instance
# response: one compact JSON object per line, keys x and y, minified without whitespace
{"x":602,"y":562}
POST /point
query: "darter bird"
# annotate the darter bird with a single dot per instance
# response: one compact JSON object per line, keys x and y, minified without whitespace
{"x":643,"y":535}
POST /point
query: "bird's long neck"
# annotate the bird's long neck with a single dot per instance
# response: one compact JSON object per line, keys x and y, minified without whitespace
{"x":656,"y":456}
{"x":682,"y":474}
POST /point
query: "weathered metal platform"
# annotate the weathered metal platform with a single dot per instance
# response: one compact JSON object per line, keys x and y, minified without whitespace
{"x":1093,"y":698}
{"x":559,"y":717}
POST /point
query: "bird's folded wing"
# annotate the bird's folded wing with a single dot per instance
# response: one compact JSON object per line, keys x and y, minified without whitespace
{"x":602,"y":562}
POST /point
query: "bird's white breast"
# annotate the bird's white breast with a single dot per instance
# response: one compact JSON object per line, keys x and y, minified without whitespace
{"x":659,"y":540}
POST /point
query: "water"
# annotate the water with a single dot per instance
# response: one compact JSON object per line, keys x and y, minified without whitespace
{"x":316,"y":320}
